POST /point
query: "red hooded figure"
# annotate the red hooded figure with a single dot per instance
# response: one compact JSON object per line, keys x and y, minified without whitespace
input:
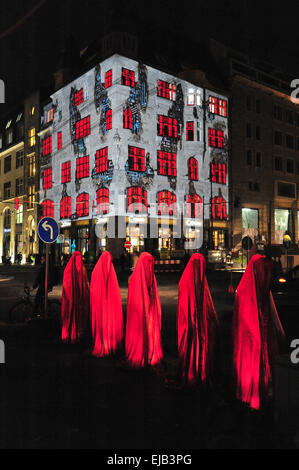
{"x":106,"y":308}
{"x":197,"y":323}
{"x":257,"y":333}
{"x":143,"y":336}
{"x":75,"y":300}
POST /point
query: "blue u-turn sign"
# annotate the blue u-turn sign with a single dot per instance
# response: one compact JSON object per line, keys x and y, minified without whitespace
{"x":48,"y":230}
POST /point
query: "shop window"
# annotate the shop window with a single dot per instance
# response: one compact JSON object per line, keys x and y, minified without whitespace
{"x":167,"y":204}
{"x":190,"y":131}
{"x":66,"y":173}
{"x":83,"y":128}
{"x":216,"y":139}
{"x":128,"y":119}
{"x":47,"y":146}
{"x":103,"y":201}
{"x":48,"y":208}
{"x":250,"y":219}
{"x":102,"y":161}
{"x":47,"y":179}
{"x":194,"y":206}
{"x":108,"y":79}
{"x":82,"y":168}
{"x":218,"y":173}
{"x":219,"y":208}
{"x":193,"y":172}
{"x":137,"y":200}
{"x":83,"y":205}
{"x":20,"y":215}
{"x":79,"y":97}
{"x":66,"y":208}
{"x":167,"y":90}
{"x":59,"y":141}
{"x":137,"y":159}
{"x":167,"y":164}
{"x":168,"y":127}
{"x":128,"y":78}
{"x":109,"y":120}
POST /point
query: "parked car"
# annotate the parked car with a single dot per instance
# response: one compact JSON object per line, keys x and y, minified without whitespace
{"x":287,"y":285}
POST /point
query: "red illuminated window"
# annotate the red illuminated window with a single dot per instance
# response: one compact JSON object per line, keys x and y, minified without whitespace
{"x":108,"y":79}
{"x":218,"y":106}
{"x":137,"y":200}
{"x":59,"y":141}
{"x":167,"y":164}
{"x":194,"y":206}
{"x":167,"y":203}
{"x":66,"y":173}
{"x":66,"y":208}
{"x":83,"y":205}
{"x":47,"y":146}
{"x":190,"y":131}
{"x":79,"y":97}
{"x":128,"y":119}
{"x":82,"y":168}
{"x":137,"y":159}
{"x":48,"y":208}
{"x":103,"y":204}
{"x":218,"y":173}
{"x":193,"y":172}
{"x":128,"y":78}
{"x":219,"y":208}
{"x":167,"y":90}
{"x":109,"y":120}
{"x":47,"y":179}
{"x":83,"y":128}
{"x":168,"y":127}
{"x":216,"y":138}
{"x":102,"y":161}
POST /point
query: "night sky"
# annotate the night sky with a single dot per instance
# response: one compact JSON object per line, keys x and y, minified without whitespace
{"x":30,"y":52}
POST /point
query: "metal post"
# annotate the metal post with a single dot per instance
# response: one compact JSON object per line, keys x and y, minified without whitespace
{"x":46,"y":281}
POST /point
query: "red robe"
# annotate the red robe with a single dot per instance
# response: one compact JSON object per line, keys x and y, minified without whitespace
{"x":106,"y":308}
{"x":197,"y":323}
{"x":75,"y":300}
{"x":143,"y":336}
{"x":257,"y":333}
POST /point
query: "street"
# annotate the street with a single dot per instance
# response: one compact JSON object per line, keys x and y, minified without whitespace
{"x":57,"y":396}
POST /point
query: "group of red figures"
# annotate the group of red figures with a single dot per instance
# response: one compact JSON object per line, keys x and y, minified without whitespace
{"x":257,"y":331}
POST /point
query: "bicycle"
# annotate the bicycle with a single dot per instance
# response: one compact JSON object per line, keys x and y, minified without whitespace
{"x":25,"y":310}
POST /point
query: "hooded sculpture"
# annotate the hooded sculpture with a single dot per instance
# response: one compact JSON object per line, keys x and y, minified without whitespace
{"x":75,"y":300}
{"x":106,"y":308}
{"x":257,"y":333}
{"x":143,"y":337}
{"x":197,"y":323}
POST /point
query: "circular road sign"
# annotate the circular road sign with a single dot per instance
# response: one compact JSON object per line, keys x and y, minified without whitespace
{"x":48,"y":230}
{"x":247,"y":244}
{"x":128,"y":245}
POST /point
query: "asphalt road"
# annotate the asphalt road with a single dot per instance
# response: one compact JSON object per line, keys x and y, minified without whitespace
{"x":54,"y":396}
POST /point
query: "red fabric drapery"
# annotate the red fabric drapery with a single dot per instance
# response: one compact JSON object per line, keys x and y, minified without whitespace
{"x":106,"y":308}
{"x":257,"y":333}
{"x":143,"y":336}
{"x":75,"y":300}
{"x":197,"y":323}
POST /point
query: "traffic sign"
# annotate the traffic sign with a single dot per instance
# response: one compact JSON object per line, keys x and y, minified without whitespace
{"x":128,"y":245}
{"x":48,"y":230}
{"x":247,"y":244}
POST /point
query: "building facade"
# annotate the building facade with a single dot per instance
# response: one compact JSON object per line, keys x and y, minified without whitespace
{"x":130,"y":153}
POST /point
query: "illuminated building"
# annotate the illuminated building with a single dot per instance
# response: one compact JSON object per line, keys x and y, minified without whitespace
{"x":129,"y":141}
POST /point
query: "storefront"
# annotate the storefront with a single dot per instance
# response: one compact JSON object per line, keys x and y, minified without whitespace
{"x":283,"y":224}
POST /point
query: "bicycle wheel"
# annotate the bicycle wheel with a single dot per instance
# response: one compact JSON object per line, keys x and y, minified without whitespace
{"x":21,"y":313}
{"x":54,"y":310}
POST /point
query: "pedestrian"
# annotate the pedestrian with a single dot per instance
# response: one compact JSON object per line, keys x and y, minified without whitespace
{"x":40,"y":285}
{"x":106,"y":308}
{"x":134,"y":260}
{"x":197,"y":324}
{"x":258,"y":335}
{"x":75,"y":300}
{"x":143,"y":336}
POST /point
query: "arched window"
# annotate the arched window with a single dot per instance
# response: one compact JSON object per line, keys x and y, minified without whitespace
{"x":83,"y":205}
{"x":194,"y":206}
{"x":167,"y":203}
{"x":66,"y":208}
{"x":193,"y":172}
{"x":103,"y":202}
{"x":128,"y":119}
{"x":219,"y":208}
{"x":48,"y":208}
{"x":137,"y":200}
